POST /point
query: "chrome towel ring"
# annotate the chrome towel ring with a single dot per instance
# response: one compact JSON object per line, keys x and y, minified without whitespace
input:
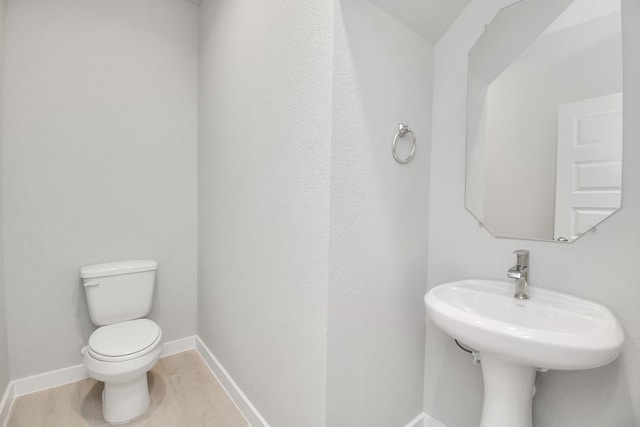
{"x":402,"y":131}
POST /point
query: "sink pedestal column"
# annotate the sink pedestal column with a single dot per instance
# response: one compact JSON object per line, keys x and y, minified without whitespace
{"x":508,"y":393}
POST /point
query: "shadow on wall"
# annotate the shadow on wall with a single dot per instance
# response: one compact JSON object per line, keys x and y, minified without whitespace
{"x":379,"y":219}
{"x":466,"y":388}
{"x":556,"y":402}
{"x":84,"y":325}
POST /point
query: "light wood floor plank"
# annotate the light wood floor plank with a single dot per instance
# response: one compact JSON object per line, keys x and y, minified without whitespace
{"x":183,"y":392}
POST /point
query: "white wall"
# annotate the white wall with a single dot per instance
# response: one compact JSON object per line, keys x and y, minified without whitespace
{"x":265,"y":131}
{"x":4,"y":351}
{"x":312,"y":239}
{"x":99,"y":164}
{"x":379,"y":213}
{"x":601,"y":265}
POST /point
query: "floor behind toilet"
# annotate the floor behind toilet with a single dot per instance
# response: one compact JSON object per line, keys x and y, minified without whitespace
{"x":183,"y":391}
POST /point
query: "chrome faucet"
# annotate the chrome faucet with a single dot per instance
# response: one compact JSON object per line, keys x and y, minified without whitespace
{"x":520,"y":272}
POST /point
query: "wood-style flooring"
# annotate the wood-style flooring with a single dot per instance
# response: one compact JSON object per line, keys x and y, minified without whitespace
{"x":184,"y":393}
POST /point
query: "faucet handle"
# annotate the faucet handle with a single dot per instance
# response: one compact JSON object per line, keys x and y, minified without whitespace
{"x":522,"y":257}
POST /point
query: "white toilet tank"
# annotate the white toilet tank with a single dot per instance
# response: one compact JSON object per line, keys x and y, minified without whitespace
{"x":119,"y":291}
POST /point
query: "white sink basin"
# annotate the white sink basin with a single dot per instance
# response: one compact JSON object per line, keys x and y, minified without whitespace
{"x":549,"y":330}
{"x":515,"y":337}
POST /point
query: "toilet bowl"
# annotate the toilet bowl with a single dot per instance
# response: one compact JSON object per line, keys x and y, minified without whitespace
{"x":122,"y":365}
{"x":126,"y":345}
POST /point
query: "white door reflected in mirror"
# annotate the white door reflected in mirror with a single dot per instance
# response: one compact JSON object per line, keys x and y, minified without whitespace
{"x":589,"y":165}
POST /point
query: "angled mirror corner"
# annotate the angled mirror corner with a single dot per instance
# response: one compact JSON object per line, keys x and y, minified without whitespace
{"x":544,"y":123}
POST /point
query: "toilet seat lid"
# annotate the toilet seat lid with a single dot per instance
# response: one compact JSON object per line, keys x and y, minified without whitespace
{"x":124,"y":340}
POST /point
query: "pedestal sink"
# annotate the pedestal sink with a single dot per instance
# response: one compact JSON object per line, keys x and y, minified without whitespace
{"x":515,"y":338}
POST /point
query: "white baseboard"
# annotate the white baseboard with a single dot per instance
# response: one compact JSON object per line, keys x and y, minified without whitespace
{"x":417,"y":421}
{"x":432,"y":422}
{"x":249,"y":411}
{"x":6,"y":403}
{"x":47,"y":380}
{"x":237,"y":396}
{"x":68,"y":375}
{"x":178,"y":346}
{"x":424,"y":420}
{"x":64,"y":376}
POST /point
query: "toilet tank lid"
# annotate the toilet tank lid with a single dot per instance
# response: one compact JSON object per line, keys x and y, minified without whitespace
{"x":118,"y":267}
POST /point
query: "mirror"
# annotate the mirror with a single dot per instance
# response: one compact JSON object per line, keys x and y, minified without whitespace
{"x":544,"y":125}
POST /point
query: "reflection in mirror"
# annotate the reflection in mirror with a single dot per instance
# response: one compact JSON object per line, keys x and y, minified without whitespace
{"x":544,"y":126}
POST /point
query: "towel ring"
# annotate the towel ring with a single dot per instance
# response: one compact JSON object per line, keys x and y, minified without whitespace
{"x":402,"y":131}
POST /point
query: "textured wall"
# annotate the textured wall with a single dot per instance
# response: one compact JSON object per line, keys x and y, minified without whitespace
{"x":601,"y":265}
{"x":379,"y":213}
{"x":4,"y":352}
{"x":99,"y":164}
{"x":265,"y":131}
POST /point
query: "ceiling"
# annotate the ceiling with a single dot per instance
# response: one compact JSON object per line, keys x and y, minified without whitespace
{"x":429,"y":18}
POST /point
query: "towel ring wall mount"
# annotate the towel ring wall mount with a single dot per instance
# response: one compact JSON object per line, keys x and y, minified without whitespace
{"x":402,"y":131}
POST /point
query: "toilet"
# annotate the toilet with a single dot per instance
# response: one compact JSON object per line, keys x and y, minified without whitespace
{"x":126,"y":345}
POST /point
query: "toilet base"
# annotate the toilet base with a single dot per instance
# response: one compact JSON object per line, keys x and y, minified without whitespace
{"x":124,"y":402}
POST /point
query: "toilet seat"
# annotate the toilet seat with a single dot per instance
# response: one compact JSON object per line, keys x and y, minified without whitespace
{"x":124,"y":340}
